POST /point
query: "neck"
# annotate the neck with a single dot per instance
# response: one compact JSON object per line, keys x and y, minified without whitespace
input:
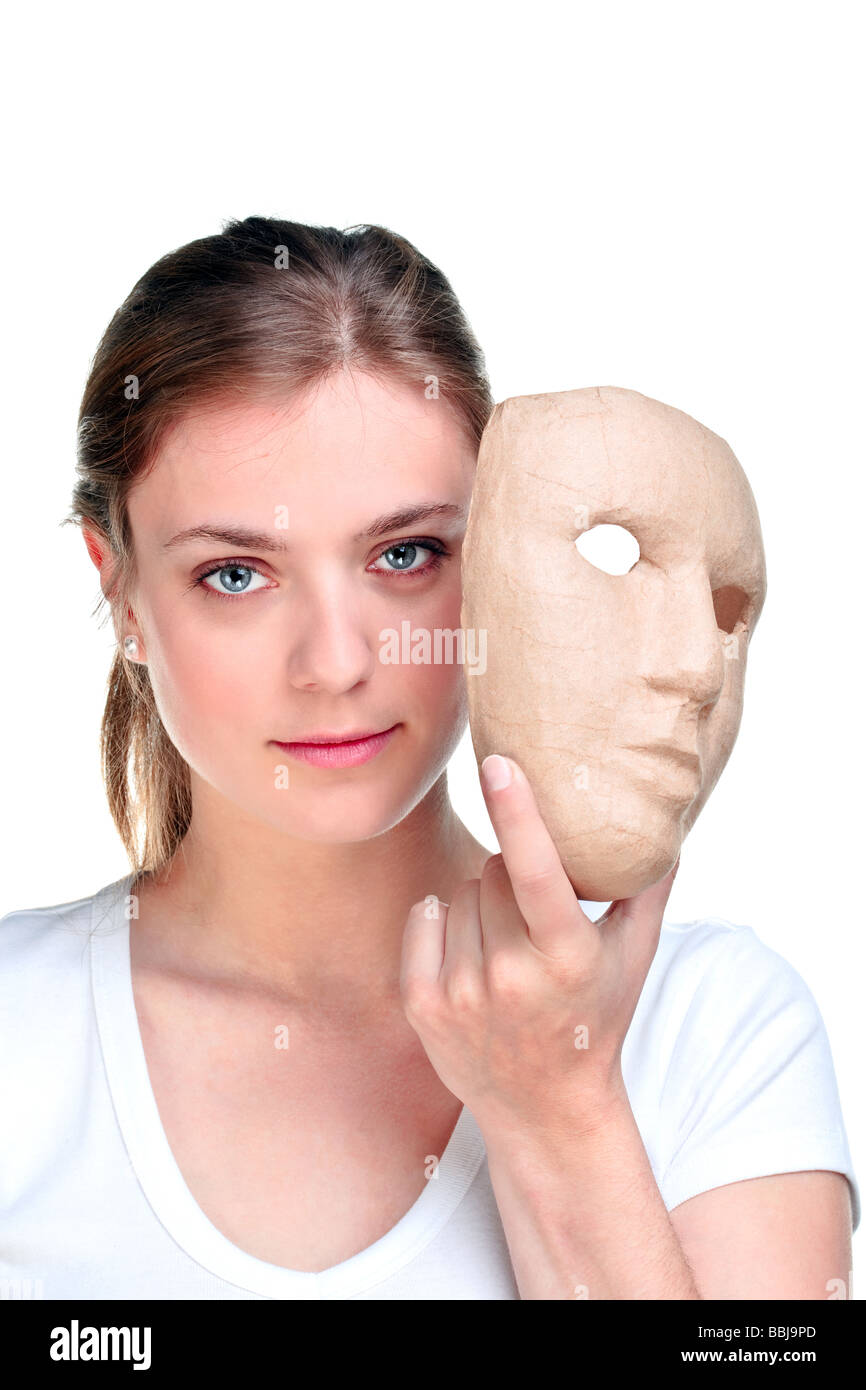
{"x":244,"y":905}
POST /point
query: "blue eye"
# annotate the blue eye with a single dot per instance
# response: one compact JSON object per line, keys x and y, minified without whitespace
{"x":404,"y":554}
{"x":235,"y":578}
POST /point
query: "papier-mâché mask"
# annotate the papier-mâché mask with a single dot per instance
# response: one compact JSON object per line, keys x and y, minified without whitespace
{"x":619,"y":694}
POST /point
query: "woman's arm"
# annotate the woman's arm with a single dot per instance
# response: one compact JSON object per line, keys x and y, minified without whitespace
{"x":787,"y":1235}
{"x":584,"y":1218}
{"x":583,"y":1215}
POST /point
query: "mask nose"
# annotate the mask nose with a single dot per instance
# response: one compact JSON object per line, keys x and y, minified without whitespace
{"x":685,"y":652}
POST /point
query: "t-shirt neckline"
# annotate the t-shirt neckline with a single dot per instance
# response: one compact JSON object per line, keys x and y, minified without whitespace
{"x":163,"y":1183}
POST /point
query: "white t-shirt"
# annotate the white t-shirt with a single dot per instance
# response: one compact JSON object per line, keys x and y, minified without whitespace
{"x":727,"y":1067}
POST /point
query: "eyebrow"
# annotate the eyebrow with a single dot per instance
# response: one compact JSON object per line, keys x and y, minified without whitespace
{"x":243,"y":536}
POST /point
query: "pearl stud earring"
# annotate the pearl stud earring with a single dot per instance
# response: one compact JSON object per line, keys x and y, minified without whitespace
{"x":130,"y":646}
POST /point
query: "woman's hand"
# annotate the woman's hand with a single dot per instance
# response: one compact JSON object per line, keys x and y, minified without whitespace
{"x":522,"y":1002}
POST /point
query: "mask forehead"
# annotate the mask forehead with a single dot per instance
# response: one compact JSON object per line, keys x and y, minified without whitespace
{"x":571,"y":460}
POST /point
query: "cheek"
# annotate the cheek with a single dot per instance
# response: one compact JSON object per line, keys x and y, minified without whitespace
{"x":437,"y":683}
{"x":434,"y":690}
{"x":205,"y":690}
{"x":446,"y":710}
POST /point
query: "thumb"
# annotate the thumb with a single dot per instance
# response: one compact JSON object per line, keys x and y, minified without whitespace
{"x":647,"y":905}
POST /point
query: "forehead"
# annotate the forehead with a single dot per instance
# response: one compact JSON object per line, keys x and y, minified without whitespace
{"x":351,"y":437}
{"x":617,"y":457}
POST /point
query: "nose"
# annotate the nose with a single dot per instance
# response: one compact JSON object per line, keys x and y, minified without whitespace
{"x":330,"y":647}
{"x":685,"y":654}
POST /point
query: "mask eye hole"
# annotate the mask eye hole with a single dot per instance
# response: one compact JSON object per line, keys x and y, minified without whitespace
{"x":612,"y":549}
{"x":730,"y":605}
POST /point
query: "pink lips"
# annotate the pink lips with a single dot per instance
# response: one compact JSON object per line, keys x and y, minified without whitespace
{"x":347,"y":753}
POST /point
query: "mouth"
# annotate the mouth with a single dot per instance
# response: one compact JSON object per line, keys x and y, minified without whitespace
{"x":328,"y":749}
{"x":685,"y":757}
{"x":671,"y":771}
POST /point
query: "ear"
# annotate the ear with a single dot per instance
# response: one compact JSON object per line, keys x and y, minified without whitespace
{"x":99,"y":550}
{"x":97,"y":546}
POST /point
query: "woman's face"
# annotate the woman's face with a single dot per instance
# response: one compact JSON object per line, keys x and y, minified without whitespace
{"x":267,"y":638}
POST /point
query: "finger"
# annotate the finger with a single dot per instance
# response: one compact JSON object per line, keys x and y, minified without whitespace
{"x":463,"y":928}
{"x":503,"y":927}
{"x":423,"y":946}
{"x":639,"y":919}
{"x":543,"y":893}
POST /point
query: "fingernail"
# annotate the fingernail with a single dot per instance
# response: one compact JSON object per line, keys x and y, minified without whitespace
{"x":496,"y":772}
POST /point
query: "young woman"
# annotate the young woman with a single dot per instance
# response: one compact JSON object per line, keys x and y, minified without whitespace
{"x":319,"y":1042}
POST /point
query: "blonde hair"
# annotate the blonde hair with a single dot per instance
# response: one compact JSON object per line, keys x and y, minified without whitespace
{"x":263,"y":310}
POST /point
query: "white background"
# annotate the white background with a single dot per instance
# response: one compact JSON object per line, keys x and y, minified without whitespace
{"x":660,"y":196}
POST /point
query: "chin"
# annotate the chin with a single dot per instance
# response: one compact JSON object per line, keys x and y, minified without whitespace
{"x":335,"y":814}
{"x":605,"y":864}
{"x":337,"y":827}
{"x":619,"y":881}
